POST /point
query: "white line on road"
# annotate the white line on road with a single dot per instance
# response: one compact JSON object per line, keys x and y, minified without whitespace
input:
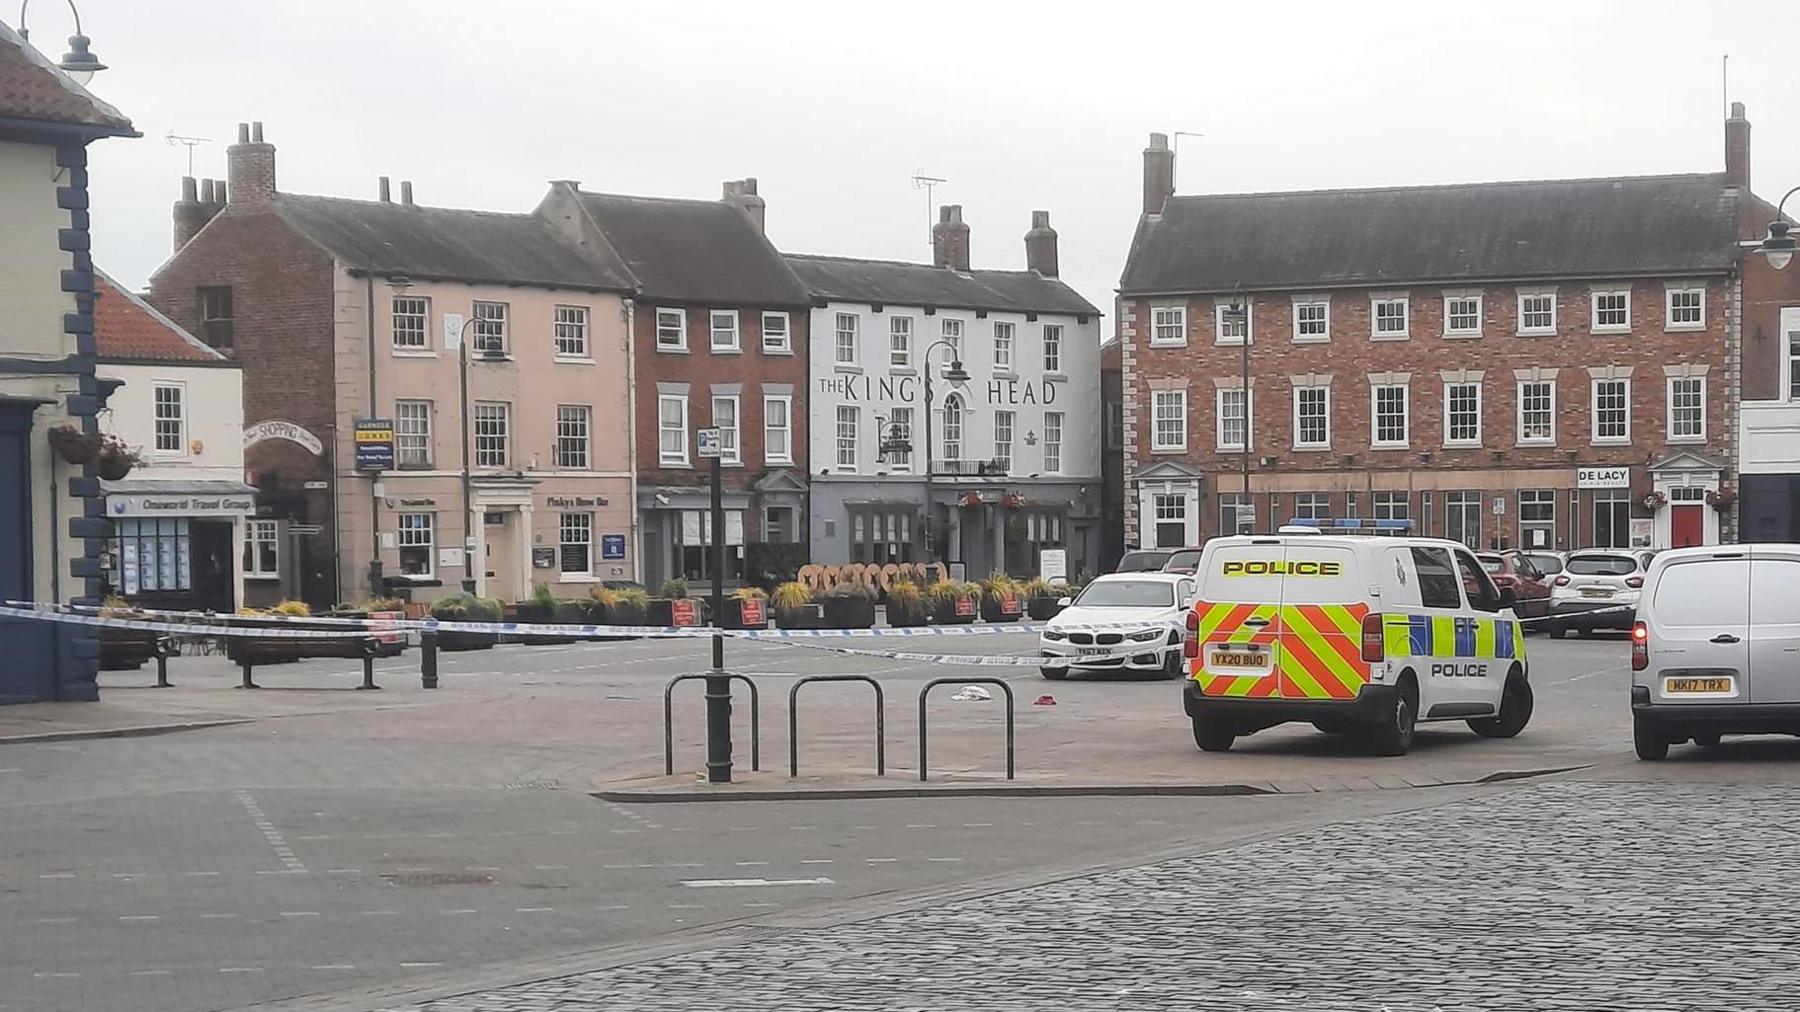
{"x":379,"y":913}
{"x":150,"y":973}
{"x":1591,"y":674}
{"x":140,"y":917}
{"x":816,"y":860}
{"x":921,"y":825}
{"x":129,"y":876}
{"x":550,"y":867}
{"x":269,"y":832}
{"x":613,"y":906}
{"x":762,"y":904}
{"x":752,"y":864}
{"x":335,"y":966}
{"x":532,"y":910}
{"x":880,"y":860}
{"x":56,"y":920}
{"x":343,"y":871}
{"x":485,"y":867}
{"x":803,"y":829}
{"x":218,"y":917}
{"x":416,"y":966}
{"x":409,"y":869}
{"x":282,"y":871}
{"x":684,"y":906}
{"x":464,"y":910}
{"x":621,"y":832}
{"x":944,"y":860}
{"x":11,"y":771}
{"x":752,"y":883}
{"x":202,"y":874}
{"x":240,"y":969}
{"x":299,"y":913}
{"x":58,"y":874}
{"x":59,"y":975}
{"x":314,"y":836}
{"x":439,"y":836}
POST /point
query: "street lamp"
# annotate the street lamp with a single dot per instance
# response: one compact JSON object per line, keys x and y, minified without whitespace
{"x":1238,"y":313}
{"x":467,"y":425}
{"x":1778,"y":245}
{"x":78,"y":62}
{"x":954,"y":374}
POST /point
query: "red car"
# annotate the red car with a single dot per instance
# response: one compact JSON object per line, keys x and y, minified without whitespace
{"x":1513,"y":572}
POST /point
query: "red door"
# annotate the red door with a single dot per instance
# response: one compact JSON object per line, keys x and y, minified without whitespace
{"x":1687,"y":526}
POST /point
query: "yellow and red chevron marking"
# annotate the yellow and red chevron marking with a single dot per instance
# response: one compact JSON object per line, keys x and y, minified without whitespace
{"x":1317,"y":650}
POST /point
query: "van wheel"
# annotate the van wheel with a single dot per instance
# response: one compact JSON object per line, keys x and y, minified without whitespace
{"x":1054,"y":674}
{"x":1213,"y":735}
{"x":1515,"y":710}
{"x":1649,"y":740}
{"x":1393,"y":735}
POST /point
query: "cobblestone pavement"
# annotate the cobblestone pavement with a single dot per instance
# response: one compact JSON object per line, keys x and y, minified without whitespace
{"x":1558,"y":896}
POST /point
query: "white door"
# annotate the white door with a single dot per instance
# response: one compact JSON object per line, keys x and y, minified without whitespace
{"x":1775,"y":626}
{"x":1698,"y":630}
{"x":1484,"y":607}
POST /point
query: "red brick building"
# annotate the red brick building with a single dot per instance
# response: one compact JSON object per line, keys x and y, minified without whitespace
{"x":1532,"y":364}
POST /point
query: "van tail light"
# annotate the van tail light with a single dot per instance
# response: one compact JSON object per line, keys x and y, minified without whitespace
{"x":1190,"y":644}
{"x":1634,"y":582}
{"x":1561,"y":581}
{"x":1640,"y":646}
{"x":1374,"y":648}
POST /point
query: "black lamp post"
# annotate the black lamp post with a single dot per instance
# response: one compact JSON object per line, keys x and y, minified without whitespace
{"x":1778,"y":245}
{"x":954,"y":374}
{"x":467,"y":425}
{"x":78,"y":62}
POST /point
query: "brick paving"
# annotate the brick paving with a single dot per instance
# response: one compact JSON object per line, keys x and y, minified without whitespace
{"x":1571,"y":896}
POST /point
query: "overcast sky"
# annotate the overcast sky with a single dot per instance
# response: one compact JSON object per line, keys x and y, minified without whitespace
{"x":833,"y":106}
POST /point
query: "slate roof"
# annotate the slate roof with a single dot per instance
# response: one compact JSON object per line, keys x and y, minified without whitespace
{"x":126,"y":327}
{"x":33,"y":88}
{"x":1631,"y":225}
{"x":897,"y":283}
{"x":693,"y":250}
{"x":449,"y":244}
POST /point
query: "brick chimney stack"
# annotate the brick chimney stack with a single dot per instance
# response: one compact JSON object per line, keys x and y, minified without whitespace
{"x":251,"y":166}
{"x":1159,"y":173}
{"x":199,"y":202}
{"x":1040,"y":245}
{"x":950,"y":239}
{"x":1737,"y":148}
{"x":741,"y":193}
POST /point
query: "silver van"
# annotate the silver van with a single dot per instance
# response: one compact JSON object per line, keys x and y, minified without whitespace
{"x":1715,"y":649}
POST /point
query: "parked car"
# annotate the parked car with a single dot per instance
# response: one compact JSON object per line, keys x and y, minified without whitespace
{"x":1144,"y":560}
{"x":1597,"y":589}
{"x":1150,"y":610}
{"x":1518,"y":579}
{"x":1183,"y":561}
{"x":1713,"y":648}
{"x":1546,"y":562}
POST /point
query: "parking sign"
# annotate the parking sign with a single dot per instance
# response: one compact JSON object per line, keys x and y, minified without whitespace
{"x":708,"y":441}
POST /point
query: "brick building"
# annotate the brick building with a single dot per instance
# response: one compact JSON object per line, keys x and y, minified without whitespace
{"x":1508,"y":364}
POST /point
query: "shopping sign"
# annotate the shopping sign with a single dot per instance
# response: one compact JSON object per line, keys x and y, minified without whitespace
{"x":683,"y":612}
{"x":374,"y":444}
{"x":751,"y":609}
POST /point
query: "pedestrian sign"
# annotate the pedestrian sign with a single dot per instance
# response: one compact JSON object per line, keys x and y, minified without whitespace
{"x":709,"y":440}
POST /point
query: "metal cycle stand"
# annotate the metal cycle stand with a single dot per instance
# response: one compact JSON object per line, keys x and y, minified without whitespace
{"x":794,"y":721}
{"x":669,"y":720}
{"x":161,"y":653}
{"x":371,"y":647}
{"x":934,"y":683}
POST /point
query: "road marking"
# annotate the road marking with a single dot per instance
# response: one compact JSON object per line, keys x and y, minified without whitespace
{"x":415,"y":966}
{"x":56,"y":920}
{"x":335,"y":966}
{"x":816,"y":860}
{"x":921,"y":825}
{"x":1591,"y":674}
{"x":407,"y":869}
{"x":532,"y":910}
{"x":283,"y":871}
{"x":379,"y":913}
{"x":752,"y":883}
{"x":564,"y":832}
{"x":59,"y":975}
{"x":742,"y":829}
{"x":218,"y":917}
{"x":613,"y":906}
{"x":202,"y":874}
{"x":803,"y":829}
{"x":140,"y":917}
{"x":483,"y":868}
{"x":315,"y":836}
{"x":11,"y":771}
{"x":58,"y":874}
{"x":621,"y":832}
{"x":343,"y":871}
{"x":465,"y":910}
{"x":880,"y":860}
{"x":752,"y":864}
{"x":944,"y":860}
{"x":269,"y":832}
{"x":439,"y":836}
{"x":129,"y":876}
{"x":684,"y":906}
{"x":762,"y":904}
{"x":240,"y":969}
{"x":550,"y":867}
{"x":150,"y":973}
{"x":299,"y":913}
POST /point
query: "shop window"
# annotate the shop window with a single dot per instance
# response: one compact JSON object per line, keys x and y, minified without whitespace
{"x":262,"y":549}
{"x":693,"y":546}
{"x":417,"y":537}
{"x":1612,"y":519}
{"x":152,"y":554}
{"x":881,"y":536}
{"x":575,"y":541}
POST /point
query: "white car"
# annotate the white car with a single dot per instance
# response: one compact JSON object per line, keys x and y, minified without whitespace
{"x":1147,"y":612}
{"x":1597,"y":589}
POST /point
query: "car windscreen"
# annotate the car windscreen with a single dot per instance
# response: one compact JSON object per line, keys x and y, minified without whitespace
{"x":1547,"y":564}
{"x":1601,"y":565}
{"x":1127,"y":594}
{"x":1142,"y":562}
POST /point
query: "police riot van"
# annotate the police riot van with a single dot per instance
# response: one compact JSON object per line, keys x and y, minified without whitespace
{"x":1360,"y":635}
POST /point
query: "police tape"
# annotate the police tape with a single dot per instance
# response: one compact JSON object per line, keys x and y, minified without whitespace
{"x":979,"y":660}
{"x":186,"y":628}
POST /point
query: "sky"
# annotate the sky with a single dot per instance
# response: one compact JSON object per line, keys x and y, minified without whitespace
{"x":835,"y":106}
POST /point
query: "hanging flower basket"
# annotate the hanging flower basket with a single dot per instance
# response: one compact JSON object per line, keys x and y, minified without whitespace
{"x":1722,"y":499}
{"x":115,"y":460}
{"x":1014,"y":501}
{"x":1655,"y":501}
{"x":74,"y":445}
{"x":971,"y":501}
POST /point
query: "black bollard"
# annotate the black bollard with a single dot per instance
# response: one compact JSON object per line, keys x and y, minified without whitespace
{"x":162,"y":663}
{"x":370,"y":647}
{"x":428,"y":677}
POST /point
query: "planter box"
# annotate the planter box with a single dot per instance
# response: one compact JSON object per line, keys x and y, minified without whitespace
{"x":807,"y":616}
{"x":753,"y":614}
{"x":1042,"y":608}
{"x":284,"y":650}
{"x":1006,"y":609}
{"x":126,"y":649}
{"x":958,"y":611}
{"x":901,"y":618}
{"x":537,"y":614}
{"x":848,"y":613}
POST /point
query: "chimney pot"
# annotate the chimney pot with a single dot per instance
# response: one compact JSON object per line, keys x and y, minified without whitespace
{"x":243,"y":133}
{"x":950,"y":239}
{"x":1040,"y":245}
{"x":206,"y":191}
{"x":219,"y":192}
{"x":381,"y":187}
{"x":193,"y":210}
{"x":189,"y":189}
{"x":406,"y":191}
{"x":256,"y":132}
{"x":1737,"y":148}
{"x":1159,"y":173}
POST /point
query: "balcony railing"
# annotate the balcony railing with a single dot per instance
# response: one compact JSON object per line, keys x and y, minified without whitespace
{"x":970,"y":468}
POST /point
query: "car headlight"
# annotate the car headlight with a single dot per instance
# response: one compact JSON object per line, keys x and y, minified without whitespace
{"x":1055,"y":634}
{"x":1147,"y":635}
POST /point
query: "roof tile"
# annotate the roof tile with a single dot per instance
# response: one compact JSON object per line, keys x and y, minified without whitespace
{"x":126,"y":327}
{"x":33,"y":88}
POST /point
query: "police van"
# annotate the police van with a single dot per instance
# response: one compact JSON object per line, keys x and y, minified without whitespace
{"x":1359,"y":635}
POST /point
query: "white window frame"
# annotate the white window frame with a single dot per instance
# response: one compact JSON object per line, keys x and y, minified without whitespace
{"x":569,"y":418}
{"x":1670,"y":309}
{"x":1004,"y":346}
{"x":1383,"y":502}
{"x":406,"y":536}
{"x":1324,"y":322}
{"x":1454,"y":331}
{"x":567,"y":534}
{"x":498,"y":326}
{"x":848,"y":419}
{"x":1538,"y":331}
{"x":1005,"y":423}
{"x":403,"y":435}
{"x":731,"y":441}
{"x":1312,"y":505}
{"x":1299,"y":443}
{"x":784,"y":344}
{"x":778,"y":440}
{"x":1519,"y":437}
{"x":1689,"y":437}
{"x":952,"y":438}
{"x":504,"y":458}
{"x":1052,"y":336}
{"x":846,"y":334}
{"x":663,"y":428}
{"x":1053,"y":442}
{"x":1376,"y":304}
{"x":1168,"y":327}
{"x":1594,"y":413}
{"x":900,"y":342}
{"x":1159,"y":400}
{"x":256,"y":534}
{"x":1219,"y":335}
{"x":671,"y":321}
{"x":180,"y":418}
{"x":734,"y":342}
{"x":571,"y":327}
{"x":1475,"y":440}
{"x":422,"y":317}
{"x":1789,"y":326}
{"x":1219,"y":396}
{"x":901,"y":463}
{"x":1594,"y":311}
{"x":1375,"y":440}
{"x":951,"y":329}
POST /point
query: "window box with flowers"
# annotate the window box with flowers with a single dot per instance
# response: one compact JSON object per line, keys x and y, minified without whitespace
{"x":1722,"y":499}
{"x":1655,"y":500}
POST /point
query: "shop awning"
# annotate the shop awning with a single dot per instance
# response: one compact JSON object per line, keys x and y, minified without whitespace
{"x":177,"y":497}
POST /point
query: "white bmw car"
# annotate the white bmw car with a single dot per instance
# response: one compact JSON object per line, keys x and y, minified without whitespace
{"x":1145,"y":613}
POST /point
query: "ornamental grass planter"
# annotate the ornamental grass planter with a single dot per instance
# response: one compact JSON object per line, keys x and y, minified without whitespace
{"x":806,"y":616}
{"x":1043,"y":607}
{"x":960,"y":610}
{"x":745,"y":613}
{"x":847,"y":612}
{"x":1002,"y":609}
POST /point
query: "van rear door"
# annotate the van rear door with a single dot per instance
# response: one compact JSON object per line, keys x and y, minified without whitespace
{"x":1238,"y":618}
{"x":1324,"y":599}
{"x":1775,"y":625}
{"x":1699,"y":630}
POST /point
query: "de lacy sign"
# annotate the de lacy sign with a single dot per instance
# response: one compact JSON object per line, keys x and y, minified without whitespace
{"x":1602,"y":477}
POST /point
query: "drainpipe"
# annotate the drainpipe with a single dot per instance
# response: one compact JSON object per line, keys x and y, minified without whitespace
{"x":374,"y":479}
{"x":631,"y":428}
{"x":56,"y":539}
